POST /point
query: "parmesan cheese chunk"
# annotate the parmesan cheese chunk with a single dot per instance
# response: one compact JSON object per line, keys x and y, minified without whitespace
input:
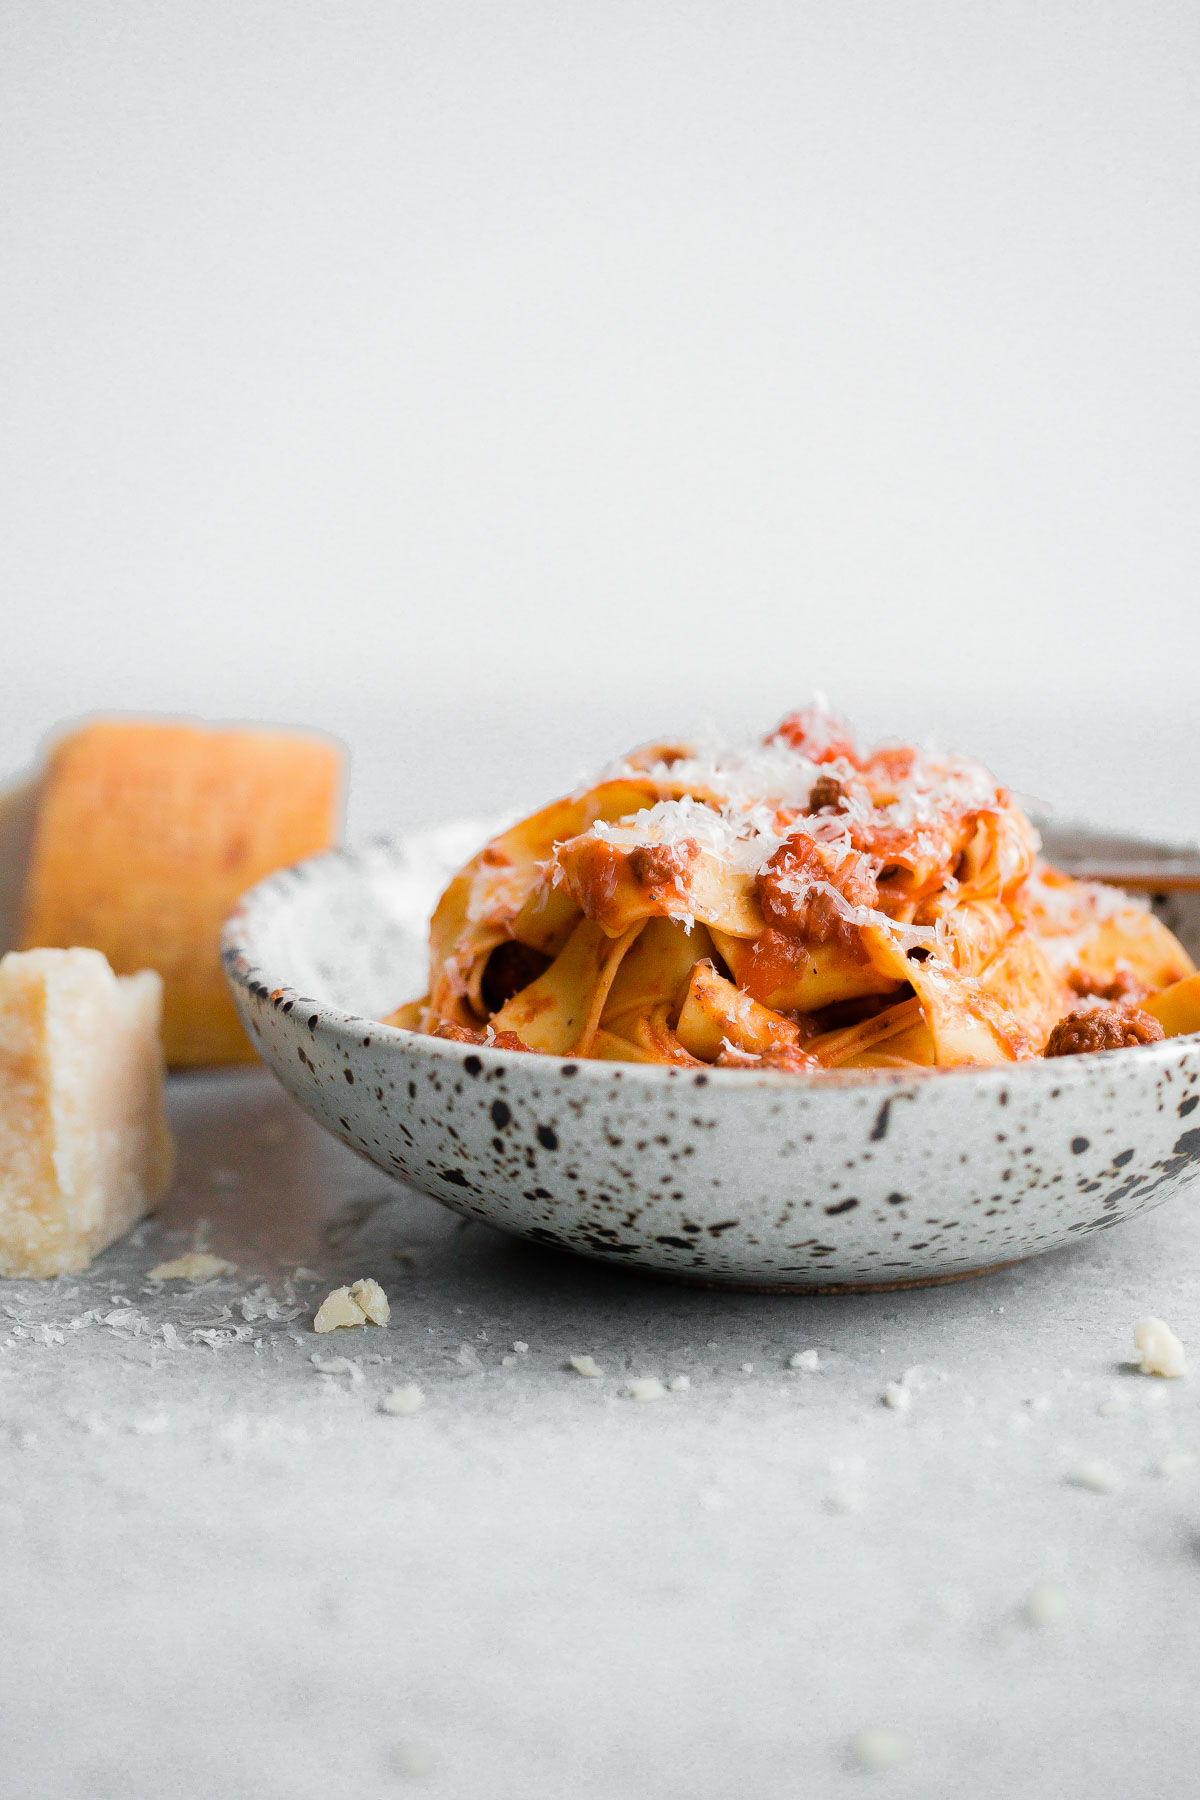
{"x":1159,"y":1350}
{"x":84,"y":1145}
{"x":365,"y":1303}
{"x":585,"y":1365}
{"x":148,"y":830}
{"x":337,"y":1311}
{"x":370,"y":1297}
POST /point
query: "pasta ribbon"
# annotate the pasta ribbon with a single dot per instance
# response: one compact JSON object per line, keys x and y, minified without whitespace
{"x":796,"y":904}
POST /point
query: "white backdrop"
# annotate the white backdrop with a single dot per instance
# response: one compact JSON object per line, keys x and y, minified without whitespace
{"x":495,"y":382}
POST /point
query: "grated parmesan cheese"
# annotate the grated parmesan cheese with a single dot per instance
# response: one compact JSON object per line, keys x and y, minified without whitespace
{"x":337,"y":1365}
{"x":194,"y":1265}
{"x":739,"y":803}
{"x":585,"y":1365}
{"x":401,"y":1402}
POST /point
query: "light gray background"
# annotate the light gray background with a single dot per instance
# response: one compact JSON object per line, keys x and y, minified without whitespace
{"x":454,"y":361}
{"x":495,"y":385}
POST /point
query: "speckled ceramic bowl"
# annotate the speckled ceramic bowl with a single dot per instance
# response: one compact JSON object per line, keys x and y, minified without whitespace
{"x":724,"y":1176}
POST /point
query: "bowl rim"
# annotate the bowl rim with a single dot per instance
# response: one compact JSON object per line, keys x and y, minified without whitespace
{"x":243,"y":971}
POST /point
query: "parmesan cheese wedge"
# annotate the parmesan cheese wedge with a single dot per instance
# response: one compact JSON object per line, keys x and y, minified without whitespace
{"x":84,"y":1145}
{"x":148,"y":830}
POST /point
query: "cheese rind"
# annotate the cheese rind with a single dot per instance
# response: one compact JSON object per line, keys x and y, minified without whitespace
{"x":149,"y":830}
{"x":85,"y":1149}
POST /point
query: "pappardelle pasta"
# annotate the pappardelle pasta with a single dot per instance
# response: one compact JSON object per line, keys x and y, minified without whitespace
{"x":795,"y":904}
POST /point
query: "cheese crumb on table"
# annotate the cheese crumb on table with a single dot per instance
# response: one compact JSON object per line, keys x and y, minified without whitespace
{"x":193,"y":1265}
{"x":1046,"y":1604}
{"x":1175,"y":1462}
{"x":1096,"y":1476}
{"x":337,"y":1365}
{"x":1159,"y":1350}
{"x":371,"y":1298}
{"x":403,"y":1401}
{"x":808,"y":1360}
{"x":679,"y":1384}
{"x":413,"y":1759}
{"x":585,"y":1365}
{"x":521,"y":1347}
{"x":645,"y":1387}
{"x":1114,"y":1406}
{"x":85,"y":1149}
{"x":897,"y":1396}
{"x":880,"y":1748}
{"x":364,"y":1303}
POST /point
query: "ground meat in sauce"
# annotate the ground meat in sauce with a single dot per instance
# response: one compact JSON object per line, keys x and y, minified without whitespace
{"x":827,"y":794}
{"x":774,"y":961}
{"x":790,"y":903}
{"x":1124,"y":985}
{"x":594,"y":880}
{"x":659,"y":865}
{"x":510,"y":967}
{"x":789,"y":1058}
{"x":460,"y":1034}
{"x":1108,"y":1026}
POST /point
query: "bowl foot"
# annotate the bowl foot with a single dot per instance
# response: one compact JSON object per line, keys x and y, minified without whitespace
{"x":733,"y":1284}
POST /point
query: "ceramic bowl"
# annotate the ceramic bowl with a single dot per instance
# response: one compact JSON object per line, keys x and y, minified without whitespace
{"x":722,"y":1176}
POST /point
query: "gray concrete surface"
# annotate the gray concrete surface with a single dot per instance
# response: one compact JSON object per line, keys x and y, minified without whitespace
{"x":227,"y":1574}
